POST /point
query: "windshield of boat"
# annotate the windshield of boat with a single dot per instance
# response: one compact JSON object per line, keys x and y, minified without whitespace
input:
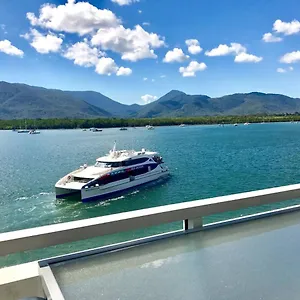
{"x":105,"y":164}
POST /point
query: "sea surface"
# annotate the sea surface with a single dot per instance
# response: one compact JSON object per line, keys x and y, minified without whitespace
{"x":204,"y":161}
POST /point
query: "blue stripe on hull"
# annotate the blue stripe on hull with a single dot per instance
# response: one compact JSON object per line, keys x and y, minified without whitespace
{"x":121,"y":192}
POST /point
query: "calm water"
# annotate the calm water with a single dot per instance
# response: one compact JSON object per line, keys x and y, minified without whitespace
{"x":204,"y":161}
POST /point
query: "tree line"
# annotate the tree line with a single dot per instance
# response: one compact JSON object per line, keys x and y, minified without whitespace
{"x":137,"y":122}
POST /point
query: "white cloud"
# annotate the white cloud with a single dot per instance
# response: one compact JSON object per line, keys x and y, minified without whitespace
{"x":83,"y":54}
{"x":247,"y":58}
{"x":106,"y":66}
{"x":240,"y":52}
{"x":72,"y":17}
{"x":145,"y":78}
{"x":281,"y":70}
{"x":3,"y":28}
{"x":287,"y":28}
{"x":175,"y":55}
{"x":139,"y":54}
{"x":146,"y":23}
{"x":153,"y":80}
{"x":124,"y":2}
{"x":43,"y":43}
{"x":222,"y":50}
{"x":133,"y":44}
{"x":193,"y":46}
{"x":140,"y":11}
{"x":270,"y":38}
{"x":124,"y":71}
{"x":26,"y":36}
{"x":291,"y":57}
{"x":192,"y":68}
{"x":7,"y":48}
{"x":148,"y":98}
{"x":162,"y":76}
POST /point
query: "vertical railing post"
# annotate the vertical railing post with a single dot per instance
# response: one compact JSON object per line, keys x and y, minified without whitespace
{"x":190,"y":224}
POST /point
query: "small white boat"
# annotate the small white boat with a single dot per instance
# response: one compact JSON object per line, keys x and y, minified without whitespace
{"x":182,"y":125}
{"x":23,"y":131}
{"x":149,"y":127}
{"x":96,"y":130}
{"x":34,"y":131}
{"x":246,"y":124}
{"x":112,"y":174}
{"x":235,"y":124}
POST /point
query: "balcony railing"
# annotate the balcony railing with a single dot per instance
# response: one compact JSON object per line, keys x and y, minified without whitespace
{"x":191,"y":213}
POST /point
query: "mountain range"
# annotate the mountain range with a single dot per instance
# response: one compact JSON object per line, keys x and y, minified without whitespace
{"x":19,"y":101}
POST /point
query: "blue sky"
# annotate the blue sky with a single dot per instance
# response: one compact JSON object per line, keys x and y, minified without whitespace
{"x":112,"y":46}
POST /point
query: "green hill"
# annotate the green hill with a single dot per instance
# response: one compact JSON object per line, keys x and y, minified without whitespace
{"x":18,"y":101}
{"x":179,"y":104}
{"x":24,"y":101}
{"x":113,"y":107}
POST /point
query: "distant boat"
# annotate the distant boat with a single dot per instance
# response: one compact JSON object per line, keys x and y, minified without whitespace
{"x":246,"y":123}
{"x":123,"y":128}
{"x":182,"y":125}
{"x":149,"y":127}
{"x":235,"y":124}
{"x":24,"y":130}
{"x":96,"y":130}
{"x":84,"y":130}
{"x":34,"y":131}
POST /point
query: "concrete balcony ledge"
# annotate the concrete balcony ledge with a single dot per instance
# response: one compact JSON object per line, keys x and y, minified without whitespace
{"x":21,"y":281}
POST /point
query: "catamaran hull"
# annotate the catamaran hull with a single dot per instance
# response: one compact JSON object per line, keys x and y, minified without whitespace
{"x":105,"y":192}
{"x":97,"y":193}
{"x":62,"y":193}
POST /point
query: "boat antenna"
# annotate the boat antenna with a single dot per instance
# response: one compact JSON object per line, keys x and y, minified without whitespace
{"x":114,"y":147}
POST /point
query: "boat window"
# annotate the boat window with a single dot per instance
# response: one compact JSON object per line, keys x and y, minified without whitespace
{"x":157,"y":159}
{"x":135,"y":161}
{"x":113,"y":177}
{"x":142,"y":169}
{"x":139,"y":171}
{"x":114,"y":164}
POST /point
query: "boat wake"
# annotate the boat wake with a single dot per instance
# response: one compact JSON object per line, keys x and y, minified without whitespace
{"x":35,"y":196}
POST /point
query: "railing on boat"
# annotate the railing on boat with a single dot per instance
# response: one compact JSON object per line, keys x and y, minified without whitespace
{"x":191,"y":213}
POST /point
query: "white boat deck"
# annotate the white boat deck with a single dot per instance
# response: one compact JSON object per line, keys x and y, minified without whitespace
{"x":91,"y":172}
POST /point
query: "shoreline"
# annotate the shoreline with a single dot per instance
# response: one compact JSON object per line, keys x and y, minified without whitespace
{"x":118,"y":123}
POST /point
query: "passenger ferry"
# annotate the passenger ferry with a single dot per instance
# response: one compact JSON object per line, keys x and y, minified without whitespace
{"x":112,"y":174}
